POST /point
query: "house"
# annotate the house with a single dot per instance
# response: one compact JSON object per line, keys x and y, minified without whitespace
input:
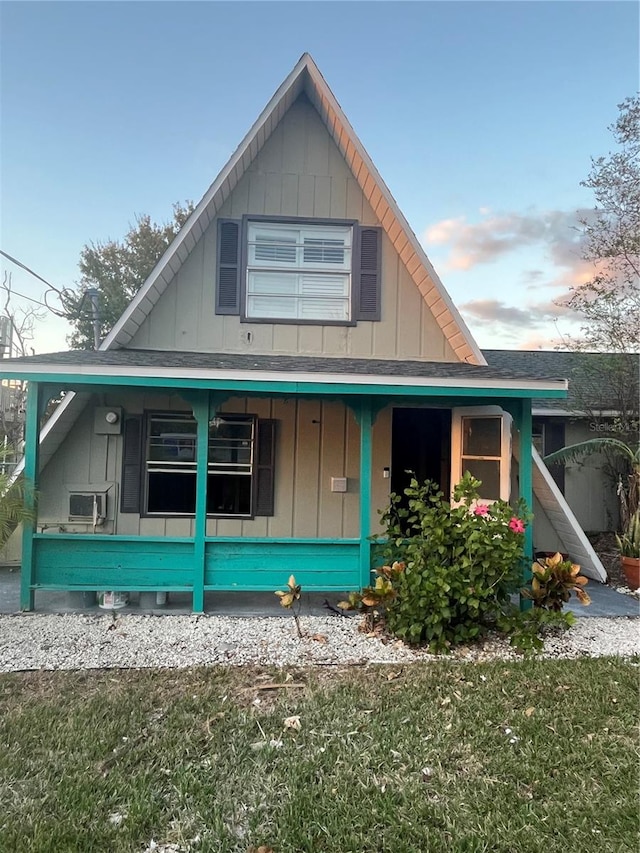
{"x":292,"y":353}
{"x":602,"y":402}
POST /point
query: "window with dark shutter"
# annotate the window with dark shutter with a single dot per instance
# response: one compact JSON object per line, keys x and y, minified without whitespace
{"x":131,"y":464}
{"x":369,"y":274}
{"x":265,"y":468}
{"x":228,"y":277}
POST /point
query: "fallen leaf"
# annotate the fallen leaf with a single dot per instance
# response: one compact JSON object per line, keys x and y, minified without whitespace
{"x":293,"y":723}
{"x":529,"y":712}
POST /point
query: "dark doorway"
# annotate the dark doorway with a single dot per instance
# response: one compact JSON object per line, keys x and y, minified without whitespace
{"x":421,"y":442}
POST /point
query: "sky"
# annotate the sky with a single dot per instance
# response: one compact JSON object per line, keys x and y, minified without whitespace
{"x":481,"y":117}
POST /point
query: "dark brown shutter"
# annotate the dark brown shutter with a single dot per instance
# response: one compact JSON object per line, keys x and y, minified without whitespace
{"x":368,"y":274}
{"x":228,"y":273}
{"x":131,"y":464}
{"x":265,"y":468}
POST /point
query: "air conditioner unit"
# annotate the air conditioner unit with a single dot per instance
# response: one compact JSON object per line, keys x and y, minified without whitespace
{"x":88,"y":506}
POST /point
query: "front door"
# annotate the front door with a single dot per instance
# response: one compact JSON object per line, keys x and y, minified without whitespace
{"x":420,"y":443}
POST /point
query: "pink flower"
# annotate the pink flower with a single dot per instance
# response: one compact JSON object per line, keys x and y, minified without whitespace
{"x":481,"y":509}
{"x":517,"y":525}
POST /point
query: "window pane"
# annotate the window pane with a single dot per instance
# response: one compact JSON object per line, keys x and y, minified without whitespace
{"x":324,"y":309}
{"x":278,"y":308}
{"x":171,"y":493}
{"x":172,"y":440}
{"x":481,"y":436}
{"x":324,"y":285}
{"x":323,"y":251}
{"x":228,"y":494}
{"x":273,"y":246}
{"x":231,"y":444}
{"x":488,"y":471}
{"x":272,"y":282}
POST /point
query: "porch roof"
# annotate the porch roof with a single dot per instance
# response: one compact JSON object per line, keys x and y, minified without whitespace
{"x":245,"y":371}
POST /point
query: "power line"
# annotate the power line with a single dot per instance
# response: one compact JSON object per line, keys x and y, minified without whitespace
{"x":31,"y":272}
{"x":51,"y":287}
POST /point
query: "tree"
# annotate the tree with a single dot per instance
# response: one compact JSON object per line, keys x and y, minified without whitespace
{"x":610,"y":302}
{"x":16,"y":335}
{"x":118,"y":269}
{"x":609,"y":305}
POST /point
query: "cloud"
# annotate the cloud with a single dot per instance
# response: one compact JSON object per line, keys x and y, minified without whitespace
{"x":497,"y":235}
{"x":491,"y":311}
{"x":540,"y":342}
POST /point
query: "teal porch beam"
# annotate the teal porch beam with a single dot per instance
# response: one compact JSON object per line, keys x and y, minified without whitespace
{"x":83,"y":382}
{"x":526,"y":487}
{"x":200,"y":406}
{"x":31,"y":465}
{"x":364,"y":416}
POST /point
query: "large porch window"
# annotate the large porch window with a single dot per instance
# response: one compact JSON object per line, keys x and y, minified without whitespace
{"x":170,"y":468}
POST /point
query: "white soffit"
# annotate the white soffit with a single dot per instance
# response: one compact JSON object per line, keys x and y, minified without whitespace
{"x":304,"y":77}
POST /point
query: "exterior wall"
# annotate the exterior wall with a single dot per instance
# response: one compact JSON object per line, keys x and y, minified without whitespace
{"x":299,"y":172}
{"x":315,"y":440}
{"x":589,"y":492}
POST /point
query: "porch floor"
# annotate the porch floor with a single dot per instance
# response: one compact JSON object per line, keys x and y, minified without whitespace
{"x":605,"y":601}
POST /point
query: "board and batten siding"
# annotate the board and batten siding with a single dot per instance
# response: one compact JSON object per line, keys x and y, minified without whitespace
{"x":315,"y":441}
{"x":299,"y":172}
{"x":589,"y":492}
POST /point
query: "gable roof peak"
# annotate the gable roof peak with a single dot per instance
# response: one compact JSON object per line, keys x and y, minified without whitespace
{"x":304,"y":77}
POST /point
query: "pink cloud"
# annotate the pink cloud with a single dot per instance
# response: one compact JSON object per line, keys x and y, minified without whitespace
{"x":497,"y":235}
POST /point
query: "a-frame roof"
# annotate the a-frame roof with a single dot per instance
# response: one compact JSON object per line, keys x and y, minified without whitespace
{"x":305,"y":77}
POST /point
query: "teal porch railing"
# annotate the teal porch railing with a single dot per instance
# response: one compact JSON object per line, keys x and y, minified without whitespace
{"x":142,"y":563}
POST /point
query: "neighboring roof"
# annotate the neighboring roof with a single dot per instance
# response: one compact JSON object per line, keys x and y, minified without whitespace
{"x":158,"y":364}
{"x":593,"y":383}
{"x":304,"y":78}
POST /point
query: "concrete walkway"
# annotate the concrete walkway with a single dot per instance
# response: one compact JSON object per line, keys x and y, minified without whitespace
{"x":605,"y":601}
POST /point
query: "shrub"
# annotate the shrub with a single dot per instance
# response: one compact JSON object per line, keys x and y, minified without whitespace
{"x":554,"y":579}
{"x":462,"y":560}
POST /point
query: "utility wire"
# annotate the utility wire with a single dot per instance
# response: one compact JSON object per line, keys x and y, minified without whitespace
{"x":62,"y":294}
{"x":35,"y":274}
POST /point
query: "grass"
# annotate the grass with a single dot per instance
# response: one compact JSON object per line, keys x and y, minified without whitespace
{"x":535,"y":757}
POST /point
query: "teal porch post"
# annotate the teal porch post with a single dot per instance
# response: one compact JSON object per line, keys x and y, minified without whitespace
{"x":31,"y":463}
{"x":526,"y":488}
{"x":200,"y":406}
{"x":365,"y":420}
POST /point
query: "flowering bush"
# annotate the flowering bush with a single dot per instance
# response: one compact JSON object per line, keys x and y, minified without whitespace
{"x":462,"y":561}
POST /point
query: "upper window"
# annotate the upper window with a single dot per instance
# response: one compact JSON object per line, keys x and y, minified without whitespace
{"x":298,"y":270}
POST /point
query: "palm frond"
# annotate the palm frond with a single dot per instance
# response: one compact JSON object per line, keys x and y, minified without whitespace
{"x":13,"y":507}
{"x":575,"y":452}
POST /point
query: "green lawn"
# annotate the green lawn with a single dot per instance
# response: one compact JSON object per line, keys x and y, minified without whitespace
{"x":537,"y":755}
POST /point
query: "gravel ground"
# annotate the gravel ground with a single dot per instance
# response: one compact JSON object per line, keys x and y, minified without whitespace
{"x":49,"y":642}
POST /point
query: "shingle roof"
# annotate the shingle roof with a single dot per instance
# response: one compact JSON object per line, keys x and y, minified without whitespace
{"x":597,"y":381}
{"x":283,"y":363}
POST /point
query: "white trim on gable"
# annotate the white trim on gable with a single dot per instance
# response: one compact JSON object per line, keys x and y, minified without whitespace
{"x":304,"y":77}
